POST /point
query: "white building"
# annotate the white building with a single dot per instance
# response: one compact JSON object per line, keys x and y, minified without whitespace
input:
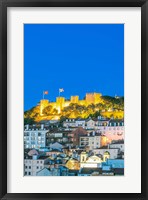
{"x":33,"y":164}
{"x":89,"y":161}
{"x":112,"y":153}
{"x":80,"y":123}
{"x":90,"y":124}
{"x":34,"y":137}
{"x":93,"y":140}
{"x":69,"y":123}
{"x":113,"y":131}
{"x":118,"y":144}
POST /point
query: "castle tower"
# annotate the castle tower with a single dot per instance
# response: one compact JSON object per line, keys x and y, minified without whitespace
{"x":93,"y":98}
{"x":74,"y":99}
{"x":97,"y":97}
{"x":60,"y":102}
{"x":43,"y":104}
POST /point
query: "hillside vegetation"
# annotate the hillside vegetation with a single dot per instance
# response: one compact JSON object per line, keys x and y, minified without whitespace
{"x":109,"y":107}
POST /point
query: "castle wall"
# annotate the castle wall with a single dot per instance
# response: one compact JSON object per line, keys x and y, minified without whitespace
{"x":74,"y":99}
{"x":91,"y":98}
{"x":60,"y":101}
{"x":43,"y":104}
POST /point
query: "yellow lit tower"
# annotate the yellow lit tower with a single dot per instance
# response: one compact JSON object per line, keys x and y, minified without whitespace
{"x":43,"y":103}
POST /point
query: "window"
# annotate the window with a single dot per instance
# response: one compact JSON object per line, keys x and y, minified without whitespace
{"x":32,"y":134}
{"x":29,"y":167}
{"x":25,"y":173}
{"x":39,"y":134}
{"x":37,"y":167}
{"x":29,"y":173}
{"x":26,"y":167}
{"x":41,"y":161}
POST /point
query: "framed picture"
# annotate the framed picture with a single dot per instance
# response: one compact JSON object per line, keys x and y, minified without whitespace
{"x":73,"y":99}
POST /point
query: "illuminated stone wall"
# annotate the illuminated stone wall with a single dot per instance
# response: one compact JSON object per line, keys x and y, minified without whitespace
{"x":43,"y":104}
{"x":91,"y":98}
{"x":74,"y":99}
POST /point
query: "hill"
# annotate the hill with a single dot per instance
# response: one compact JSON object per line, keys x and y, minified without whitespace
{"x":109,"y":107}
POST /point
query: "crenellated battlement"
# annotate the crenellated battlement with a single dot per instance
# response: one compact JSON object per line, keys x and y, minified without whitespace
{"x":60,"y":103}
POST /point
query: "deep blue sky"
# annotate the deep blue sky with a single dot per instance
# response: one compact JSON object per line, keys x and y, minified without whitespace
{"x":77,"y":57}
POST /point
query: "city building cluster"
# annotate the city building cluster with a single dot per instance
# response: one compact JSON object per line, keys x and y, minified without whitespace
{"x":74,"y":147}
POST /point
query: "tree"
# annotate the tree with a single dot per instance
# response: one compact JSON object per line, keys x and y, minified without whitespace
{"x":29,"y":121}
{"x":47,"y":110}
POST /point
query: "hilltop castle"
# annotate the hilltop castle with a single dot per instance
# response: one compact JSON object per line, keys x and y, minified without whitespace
{"x":61,"y":102}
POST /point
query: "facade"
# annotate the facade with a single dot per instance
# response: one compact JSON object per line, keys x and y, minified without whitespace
{"x":33,"y":164}
{"x":110,"y":153}
{"x":93,"y":140}
{"x":35,"y":137}
{"x":57,"y":136}
{"x":87,"y":161}
{"x":80,"y":123}
{"x":90,"y":124}
{"x":118,"y":144}
{"x":114,"y":130}
{"x":69,"y":123}
{"x":75,"y":135}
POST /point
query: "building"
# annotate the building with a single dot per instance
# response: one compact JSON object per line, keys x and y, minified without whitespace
{"x":113,"y":130}
{"x":33,"y":164}
{"x":57,"y":136}
{"x":119,"y":144}
{"x":107,"y":153}
{"x":93,"y":140}
{"x":75,"y":135}
{"x":80,"y":123}
{"x":35,"y":136}
{"x":87,"y":161}
{"x":69,"y":123}
{"x":90,"y":124}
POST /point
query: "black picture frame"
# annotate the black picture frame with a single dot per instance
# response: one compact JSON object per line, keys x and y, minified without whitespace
{"x":4,"y":4}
